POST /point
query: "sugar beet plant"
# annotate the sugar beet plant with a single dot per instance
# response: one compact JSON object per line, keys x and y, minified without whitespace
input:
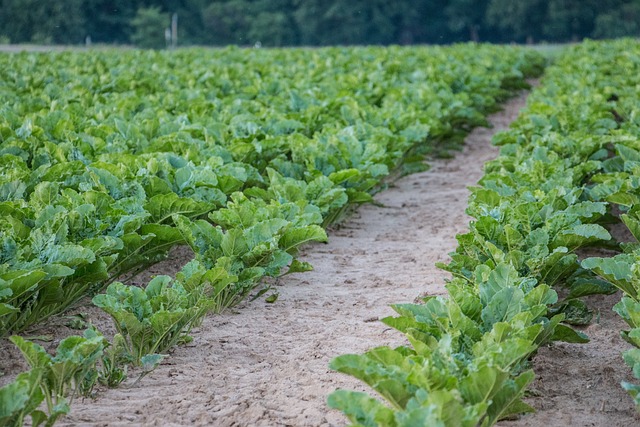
{"x":600,"y":133}
{"x":617,"y":184}
{"x":52,"y":380}
{"x":155,"y":319}
{"x":568,"y":159}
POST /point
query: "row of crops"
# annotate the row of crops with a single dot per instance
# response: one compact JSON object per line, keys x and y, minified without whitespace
{"x":110,"y":159}
{"x":568,"y":166}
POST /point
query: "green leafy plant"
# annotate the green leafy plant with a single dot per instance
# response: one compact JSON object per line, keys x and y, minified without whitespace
{"x":155,"y":319}
{"x":21,"y":399}
{"x":259,"y":239}
{"x":56,"y":380}
{"x":90,"y":185}
{"x":115,"y":360}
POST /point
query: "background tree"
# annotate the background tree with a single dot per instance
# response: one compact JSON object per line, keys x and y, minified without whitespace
{"x":26,"y":21}
{"x":149,"y":26}
{"x":569,"y":20}
{"x":621,"y":21}
{"x":424,"y":22}
{"x":519,"y":21}
{"x":272,"y":29}
{"x":318,"y":22}
{"x":328,"y":23}
{"x":272,"y":23}
{"x":309,"y":19}
{"x":467,"y":16}
{"x":227,"y":22}
{"x":109,"y":21}
{"x":191,"y":28}
{"x":359,"y":22}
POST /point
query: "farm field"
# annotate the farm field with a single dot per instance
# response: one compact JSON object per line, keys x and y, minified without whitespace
{"x":378,"y":256}
{"x":233,"y":164}
{"x":366,"y":266}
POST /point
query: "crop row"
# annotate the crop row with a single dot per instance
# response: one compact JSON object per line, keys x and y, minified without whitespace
{"x":613,"y":92}
{"x":567,"y":167}
{"x":243,"y":155}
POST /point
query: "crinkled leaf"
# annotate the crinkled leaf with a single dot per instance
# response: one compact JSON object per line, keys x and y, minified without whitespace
{"x":504,"y":304}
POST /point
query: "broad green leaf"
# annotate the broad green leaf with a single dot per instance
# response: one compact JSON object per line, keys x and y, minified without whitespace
{"x":629,"y":310}
{"x":634,"y":392}
{"x":384,"y":369}
{"x":298,"y":266}
{"x":6,"y":309}
{"x":35,"y":355}
{"x":13,"y":399}
{"x":481,"y":385}
{"x":504,"y":304}
{"x":501,"y":277}
{"x":21,"y":397}
{"x":567,"y":334}
{"x":22,"y":282}
{"x":233,"y":243}
{"x":200,"y":234}
{"x":581,"y":234}
{"x":361,"y":409}
{"x":584,"y":286}
{"x":292,"y":239}
{"x":617,"y":270}
{"x":633,"y":224}
{"x":506,"y":401}
{"x":151,"y":361}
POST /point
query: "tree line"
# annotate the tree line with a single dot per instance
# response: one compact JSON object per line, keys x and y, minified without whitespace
{"x":315,"y":22}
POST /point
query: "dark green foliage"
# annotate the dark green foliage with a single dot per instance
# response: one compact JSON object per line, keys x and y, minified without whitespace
{"x":45,"y":22}
{"x":149,"y":27}
{"x":316,"y":22}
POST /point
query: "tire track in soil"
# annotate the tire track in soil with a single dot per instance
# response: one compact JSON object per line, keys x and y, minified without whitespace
{"x":267,"y":364}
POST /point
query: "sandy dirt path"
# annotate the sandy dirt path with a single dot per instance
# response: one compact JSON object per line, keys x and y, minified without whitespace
{"x":267,"y":364}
